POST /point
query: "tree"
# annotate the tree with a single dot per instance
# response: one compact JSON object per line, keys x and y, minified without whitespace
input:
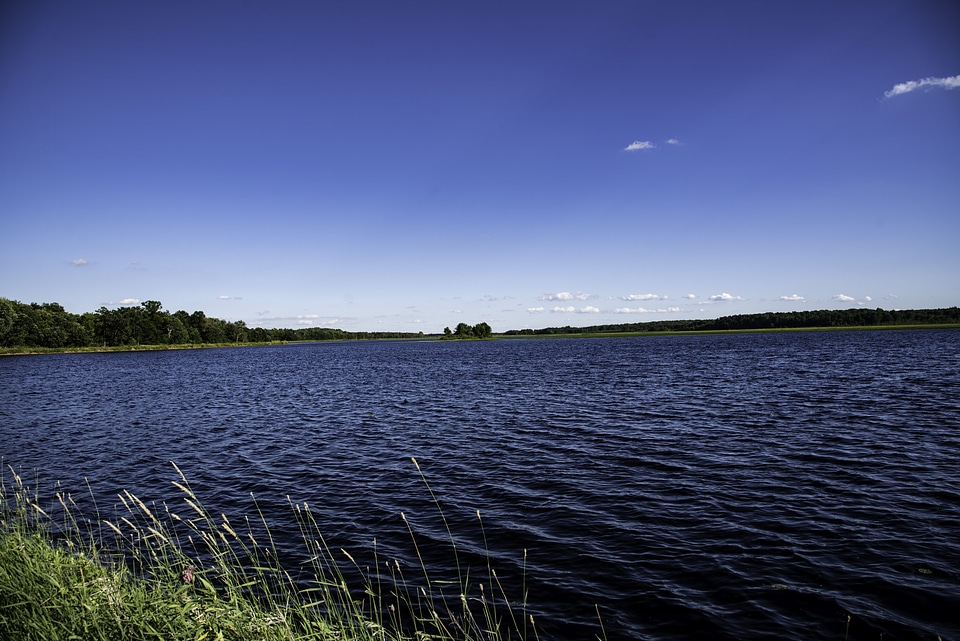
{"x":8,"y":318}
{"x":482,"y":330}
{"x":153,"y":326}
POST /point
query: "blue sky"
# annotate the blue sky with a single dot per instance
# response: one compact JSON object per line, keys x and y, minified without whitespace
{"x":410,"y":166}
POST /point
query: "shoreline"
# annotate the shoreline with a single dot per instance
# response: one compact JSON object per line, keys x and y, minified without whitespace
{"x":37,"y":351}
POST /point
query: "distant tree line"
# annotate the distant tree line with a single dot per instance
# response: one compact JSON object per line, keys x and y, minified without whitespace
{"x":480,"y":330}
{"x":858,"y":317}
{"x":49,"y":325}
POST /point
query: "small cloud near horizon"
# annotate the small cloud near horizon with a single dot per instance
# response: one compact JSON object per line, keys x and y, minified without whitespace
{"x":843,"y":298}
{"x":951,"y":82}
{"x":642,"y":310}
{"x":570,"y":309}
{"x":631,"y":297}
{"x":79,"y":262}
{"x":716,"y":298}
{"x":565,"y":296}
{"x":793,"y":297}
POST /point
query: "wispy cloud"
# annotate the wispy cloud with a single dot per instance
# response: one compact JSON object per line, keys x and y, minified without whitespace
{"x":79,"y":262}
{"x":673,"y":141}
{"x":566,"y":296}
{"x":690,"y":296}
{"x":570,"y":309}
{"x":225,"y":297}
{"x":637,"y":145}
{"x":794,"y":298}
{"x":632,"y":297}
{"x":302,"y":319}
{"x":951,"y":82}
{"x":535,"y":310}
{"x":643,"y":310}
{"x":716,"y":298}
{"x":843,"y":298}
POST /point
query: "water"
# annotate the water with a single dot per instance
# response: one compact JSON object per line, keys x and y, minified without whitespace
{"x":731,"y":486}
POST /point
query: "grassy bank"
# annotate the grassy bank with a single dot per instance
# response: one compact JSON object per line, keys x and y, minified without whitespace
{"x":179,"y":572}
{"x":700,"y":332}
{"x":12,"y":351}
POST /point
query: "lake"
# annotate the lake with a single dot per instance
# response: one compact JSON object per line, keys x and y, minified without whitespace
{"x":745,"y":486}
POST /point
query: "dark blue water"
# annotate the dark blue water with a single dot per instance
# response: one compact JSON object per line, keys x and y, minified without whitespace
{"x":733,"y":486}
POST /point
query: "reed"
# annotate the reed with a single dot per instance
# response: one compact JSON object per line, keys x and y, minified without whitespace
{"x":155,"y":572}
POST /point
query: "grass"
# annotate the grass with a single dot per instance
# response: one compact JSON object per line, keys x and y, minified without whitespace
{"x":23,"y":350}
{"x":150,"y":572}
{"x":698,"y":332}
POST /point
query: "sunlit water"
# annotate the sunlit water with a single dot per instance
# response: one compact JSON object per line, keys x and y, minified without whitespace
{"x":729,"y":486}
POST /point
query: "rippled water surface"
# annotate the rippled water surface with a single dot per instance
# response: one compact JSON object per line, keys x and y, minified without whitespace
{"x":719,"y":486}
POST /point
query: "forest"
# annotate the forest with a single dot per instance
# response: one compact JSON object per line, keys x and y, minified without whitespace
{"x":857,"y":317}
{"x":50,"y":326}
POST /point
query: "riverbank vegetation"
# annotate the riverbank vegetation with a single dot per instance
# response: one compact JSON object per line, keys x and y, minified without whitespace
{"x":38,"y":327}
{"x":464,"y":331}
{"x":50,"y":326}
{"x":817,"y":319}
{"x":180,"y":572}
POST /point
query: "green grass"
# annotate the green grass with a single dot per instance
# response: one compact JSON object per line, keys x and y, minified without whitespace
{"x":696,"y":332}
{"x":22,"y":350}
{"x":152,"y":572}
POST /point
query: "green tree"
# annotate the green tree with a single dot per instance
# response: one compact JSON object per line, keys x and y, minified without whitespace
{"x":8,"y":319}
{"x":153,"y":323}
{"x":482,"y":330}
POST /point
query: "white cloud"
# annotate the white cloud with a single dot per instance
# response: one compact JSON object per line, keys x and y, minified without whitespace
{"x":793,"y":297}
{"x":844,"y":298}
{"x":304,"y":321}
{"x":535,"y":310}
{"x":642,"y":310}
{"x":566,"y":310}
{"x":643,"y":297}
{"x":637,"y":145}
{"x":724,"y":297}
{"x":588,"y":310}
{"x":690,"y":296}
{"x":951,"y":82}
{"x":79,"y":262}
{"x":130,"y":301}
{"x":867,"y":299}
{"x":673,"y":141}
{"x":565,"y":296}
{"x":223,"y":298}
